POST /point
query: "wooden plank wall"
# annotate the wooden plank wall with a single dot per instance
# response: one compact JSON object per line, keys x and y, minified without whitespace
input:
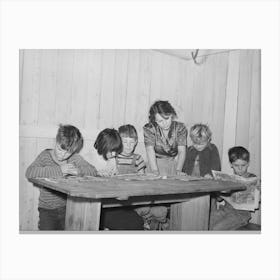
{"x":95,"y":89}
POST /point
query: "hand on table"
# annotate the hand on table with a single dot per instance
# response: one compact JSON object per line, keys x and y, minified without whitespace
{"x":69,"y":168}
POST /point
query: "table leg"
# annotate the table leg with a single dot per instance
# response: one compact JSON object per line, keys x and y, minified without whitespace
{"x":190,"y":215}
{"x":82,"y":214}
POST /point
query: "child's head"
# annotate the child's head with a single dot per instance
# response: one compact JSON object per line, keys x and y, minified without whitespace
{"x":239,"y":159}
{"x":162,"y":113}
{"x":108,"y":143}
{"x":200,"y":135}
{"x":68,"y":141}
{"x":129,"y":138}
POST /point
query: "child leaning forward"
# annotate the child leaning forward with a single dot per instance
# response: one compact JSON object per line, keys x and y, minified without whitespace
{"x":62,"y":160}
{"x":109,"y":145}
{"x":202,"y":156}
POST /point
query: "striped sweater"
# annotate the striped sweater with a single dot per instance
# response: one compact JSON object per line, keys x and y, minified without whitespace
{"x":45,"y":167}
{"x":133,"y":163}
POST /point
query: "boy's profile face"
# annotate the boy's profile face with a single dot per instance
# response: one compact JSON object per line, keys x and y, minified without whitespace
{"x":240,"y":167}
{"x":200,"y":143}
{"x":61,"y":154}
{"x":129,"y":145}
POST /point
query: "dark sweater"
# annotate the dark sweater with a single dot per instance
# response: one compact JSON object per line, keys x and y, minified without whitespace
{"x":209,"y":159}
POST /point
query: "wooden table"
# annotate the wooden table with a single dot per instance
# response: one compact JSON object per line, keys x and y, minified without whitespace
{"x":190,"y":200}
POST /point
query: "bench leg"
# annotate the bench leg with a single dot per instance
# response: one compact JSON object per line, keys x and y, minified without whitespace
{"x":82,"y":214}
{"x":191,"y":215}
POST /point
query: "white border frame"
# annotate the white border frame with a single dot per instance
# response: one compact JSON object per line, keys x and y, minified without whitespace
{"x":156,"y":24}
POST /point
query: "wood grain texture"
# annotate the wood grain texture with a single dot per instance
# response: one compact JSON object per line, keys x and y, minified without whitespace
{"x":107,"y":90}
{"x":244,"y":99}
{"x":191,"y":215}
{"x":64,"y":85}
{"x":132,"y":86}
{"x":231,"y":105}
{"x":94,"y":72}
{"x":82,"y":214}
{"x":47,"y":85}
{"x":30,"y":87}
{"x":120,"y":88}
{"x":255,"y":115}
{"x":79,"y":88}
{"x":28,"y":196}
{"x":144,"y":85}
{"x":99,"y":188}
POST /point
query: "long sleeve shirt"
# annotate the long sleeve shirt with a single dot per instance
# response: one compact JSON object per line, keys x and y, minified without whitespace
{"x":45,"y":167}
{"x":208,"y":158}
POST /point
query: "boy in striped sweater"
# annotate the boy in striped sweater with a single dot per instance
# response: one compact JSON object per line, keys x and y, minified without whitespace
{"x":61,"y":161}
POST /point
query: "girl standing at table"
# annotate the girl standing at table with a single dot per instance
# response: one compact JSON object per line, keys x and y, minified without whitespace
{"x":165,"y":140}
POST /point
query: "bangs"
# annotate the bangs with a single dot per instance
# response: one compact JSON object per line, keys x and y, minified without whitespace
{"x":163,"y":108}
{"x":200,"y":132}
{"x":115,"y":145}
{"x":128,"y":131}
{"x":166,"y":116}
{"x":108,"y":140}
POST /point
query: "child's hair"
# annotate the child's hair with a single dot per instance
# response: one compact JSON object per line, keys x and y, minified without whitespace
{"x":164,"y":108}
{"x":238,"y":152}
{"x":128,"y":130}
{"x":199,"y":131}
{"x":108,"y":140}
{"x":69,"y":138}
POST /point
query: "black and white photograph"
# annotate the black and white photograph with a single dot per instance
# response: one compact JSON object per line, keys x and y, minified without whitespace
{"x":139,"y":140}
{"x":125,"y":139}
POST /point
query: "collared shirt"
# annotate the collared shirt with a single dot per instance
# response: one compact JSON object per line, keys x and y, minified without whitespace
{"x":165,"y":147}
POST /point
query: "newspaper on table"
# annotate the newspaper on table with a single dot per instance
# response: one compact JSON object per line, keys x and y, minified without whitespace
{"x":242,"y":200}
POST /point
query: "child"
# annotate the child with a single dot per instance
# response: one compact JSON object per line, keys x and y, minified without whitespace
{"x":202,"y":156}
{"x":228,"y":218}
{"x":109,"y":144}
{"x":239,"y":159}
{"x":127,"y":161}
{"x":54,"y":163}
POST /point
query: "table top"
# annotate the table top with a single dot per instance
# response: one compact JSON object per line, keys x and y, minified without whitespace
{"x":98,"y":187}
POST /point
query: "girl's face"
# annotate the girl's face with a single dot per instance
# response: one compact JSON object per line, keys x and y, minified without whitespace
{"x":164,"y":122}
{"x":240,"y":167}
{"x":61,"y":154}
{"x":110,"y":155}
{"x":128,"y":145}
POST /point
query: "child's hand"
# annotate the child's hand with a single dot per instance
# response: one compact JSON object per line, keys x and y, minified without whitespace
{"x":69,"y":168}
{"x":207,"y":176}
